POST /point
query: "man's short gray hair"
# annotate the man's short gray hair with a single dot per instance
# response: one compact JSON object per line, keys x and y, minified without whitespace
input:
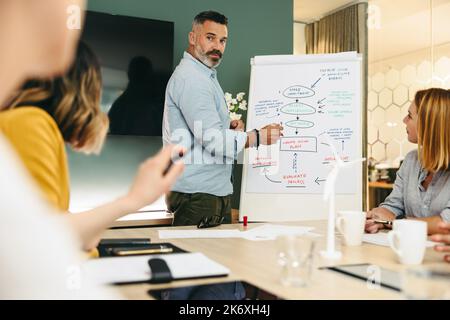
{"x":210,"y":16}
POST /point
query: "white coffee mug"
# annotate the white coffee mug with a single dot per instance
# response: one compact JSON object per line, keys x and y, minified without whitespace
{"x":408,"y":240}
{"x":351,"y":225}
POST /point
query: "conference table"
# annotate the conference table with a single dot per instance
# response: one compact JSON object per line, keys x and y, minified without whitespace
{"x":256,"y":262}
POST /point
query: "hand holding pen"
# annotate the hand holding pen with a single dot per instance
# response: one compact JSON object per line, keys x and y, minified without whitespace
{"x":377,"y":219}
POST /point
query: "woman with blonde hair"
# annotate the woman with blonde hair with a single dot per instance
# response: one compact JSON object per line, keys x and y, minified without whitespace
{"x":46,"y":114}
{"x":422,"y":187}
{"x":39,"y":249}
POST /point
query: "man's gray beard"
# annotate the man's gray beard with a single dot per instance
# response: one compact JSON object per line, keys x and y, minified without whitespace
{"x":217,"y":64}
{"x":205,"y":60}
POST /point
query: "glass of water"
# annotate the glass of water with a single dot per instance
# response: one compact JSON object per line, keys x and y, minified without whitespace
{"x":295,"y":256}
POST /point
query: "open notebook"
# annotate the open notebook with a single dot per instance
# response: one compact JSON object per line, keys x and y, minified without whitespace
{"x":137,"y":269}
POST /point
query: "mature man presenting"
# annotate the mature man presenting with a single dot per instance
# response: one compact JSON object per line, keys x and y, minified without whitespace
{"x":196,"y":116}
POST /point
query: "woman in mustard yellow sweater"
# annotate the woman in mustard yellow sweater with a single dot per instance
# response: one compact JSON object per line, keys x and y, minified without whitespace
{"x":46,"y":114}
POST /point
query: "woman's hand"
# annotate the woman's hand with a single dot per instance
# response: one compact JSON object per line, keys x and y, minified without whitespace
{"x":444,"y":237}
{"x":377,"y":214}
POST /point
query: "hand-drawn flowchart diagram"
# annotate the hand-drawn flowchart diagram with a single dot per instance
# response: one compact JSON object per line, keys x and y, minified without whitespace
{"x":316,"y":104}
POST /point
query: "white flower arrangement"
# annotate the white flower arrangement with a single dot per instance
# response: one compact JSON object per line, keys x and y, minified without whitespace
{"x":236,"y":105}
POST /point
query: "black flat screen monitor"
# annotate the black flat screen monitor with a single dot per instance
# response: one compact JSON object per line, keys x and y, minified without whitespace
{"x":136,"y":56}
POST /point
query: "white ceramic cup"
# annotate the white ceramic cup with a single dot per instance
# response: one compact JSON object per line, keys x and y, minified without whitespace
{"x":408,"y":240}
{"x":351,"y":225}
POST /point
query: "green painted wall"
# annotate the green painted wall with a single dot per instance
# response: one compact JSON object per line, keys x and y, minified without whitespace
{"x":256,"y":27}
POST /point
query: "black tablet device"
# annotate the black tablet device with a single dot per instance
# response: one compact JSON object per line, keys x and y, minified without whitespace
{"x":372,"y":274}
{"x":233,"y":290}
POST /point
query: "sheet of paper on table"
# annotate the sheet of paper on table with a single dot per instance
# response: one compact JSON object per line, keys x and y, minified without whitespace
{"x":264,"y":232}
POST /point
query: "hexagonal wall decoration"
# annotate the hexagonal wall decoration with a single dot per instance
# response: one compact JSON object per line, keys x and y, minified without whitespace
{"x":377,"y":117}
{"x":399,"y":131}
{"x":386,"y":132}
{"x":393,"y":116}
{"x":379,"y":151}
{"x":424,"y":72}
{"x":389,"y":98}
{"x":413,"y":89}
{"x":400,"y":95}
{"x":393,"y":150}
{"x":372,"y":134}
{"x":378,"y":82}
{"x":404,"y":109}
{"x":442,"y":68}
{"x":385,"y":98}
{"x":392,"y":78}
{"x":408,"y":75}
{"x":372,"y":100}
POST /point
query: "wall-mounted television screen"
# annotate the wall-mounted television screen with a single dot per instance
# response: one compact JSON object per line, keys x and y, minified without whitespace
{"x":136,"y":56}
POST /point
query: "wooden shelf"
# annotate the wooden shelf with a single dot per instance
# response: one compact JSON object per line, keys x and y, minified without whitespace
{"x":383,"y":185}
